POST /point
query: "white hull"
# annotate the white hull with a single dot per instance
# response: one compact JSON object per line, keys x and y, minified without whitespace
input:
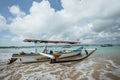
{"x":31,"y":58}
{"x":24,"y":59}
{"x":69,"y":54}
{"x":62,"y":55}
{"x":51,"y":57}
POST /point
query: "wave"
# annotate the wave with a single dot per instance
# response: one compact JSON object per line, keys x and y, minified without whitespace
{"x":91,"y":69}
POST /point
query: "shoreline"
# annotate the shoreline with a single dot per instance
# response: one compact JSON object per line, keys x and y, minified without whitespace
{"x":93,"y":69}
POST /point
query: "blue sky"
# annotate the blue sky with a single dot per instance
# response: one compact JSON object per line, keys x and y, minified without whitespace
{"x":91,"y":21}
{"x":24,"y":5}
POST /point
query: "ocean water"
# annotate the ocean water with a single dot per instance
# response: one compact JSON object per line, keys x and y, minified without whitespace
{"x":104,"y":64}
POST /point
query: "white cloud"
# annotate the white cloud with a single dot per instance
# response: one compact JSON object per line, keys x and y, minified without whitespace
{"x":15,"y":10}
{"x":89,"y":20}
{"x":3,"y":23}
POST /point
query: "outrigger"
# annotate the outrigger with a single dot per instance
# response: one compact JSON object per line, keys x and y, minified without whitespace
{"x":53,"y":56}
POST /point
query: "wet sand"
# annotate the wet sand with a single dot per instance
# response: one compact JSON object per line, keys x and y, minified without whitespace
{"x":89,"y":69}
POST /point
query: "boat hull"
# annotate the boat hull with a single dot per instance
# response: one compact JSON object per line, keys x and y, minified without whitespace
{"x":36,"y":58}
{"x":32,"y":59}
{"x":25,"y":59}
{"x":70,"y":54}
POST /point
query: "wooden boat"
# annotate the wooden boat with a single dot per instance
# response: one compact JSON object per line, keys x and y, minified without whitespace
{"x":53,"y":56}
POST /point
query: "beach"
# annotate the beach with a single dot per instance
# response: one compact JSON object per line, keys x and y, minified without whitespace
{"x":96,"y":67}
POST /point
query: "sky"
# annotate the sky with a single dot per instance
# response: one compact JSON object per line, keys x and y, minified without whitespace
{"x":91,"y":21}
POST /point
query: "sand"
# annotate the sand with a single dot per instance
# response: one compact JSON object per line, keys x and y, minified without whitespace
{"x":89,"y":69}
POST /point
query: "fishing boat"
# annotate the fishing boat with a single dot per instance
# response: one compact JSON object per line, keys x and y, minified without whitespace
{"x":53,"y":56}
{"x":106,"y":45}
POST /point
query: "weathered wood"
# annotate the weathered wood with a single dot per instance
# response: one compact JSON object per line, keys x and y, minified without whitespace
{"x":51,"y":41}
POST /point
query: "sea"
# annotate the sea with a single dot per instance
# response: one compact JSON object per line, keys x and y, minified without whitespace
{"x":103,"y":64}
